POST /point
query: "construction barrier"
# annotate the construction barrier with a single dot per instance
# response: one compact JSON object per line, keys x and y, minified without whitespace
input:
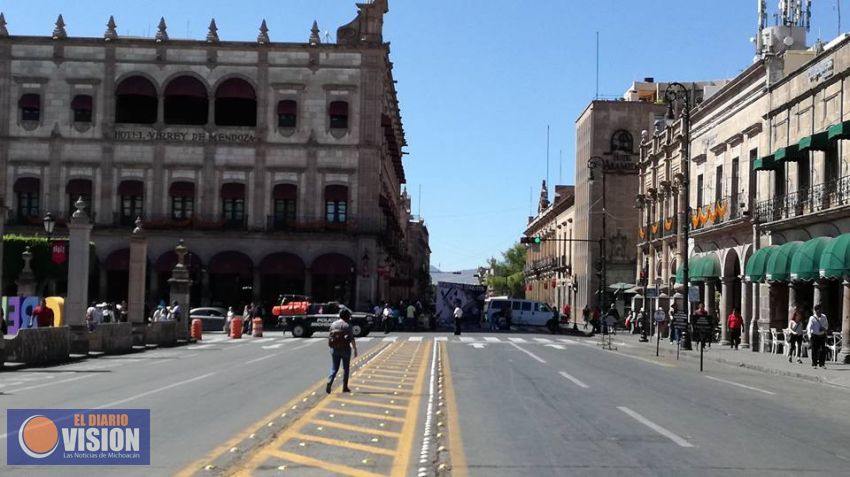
{"x":258,"y":327}
{"x":196,"y":329}
{"x":236,"y":327}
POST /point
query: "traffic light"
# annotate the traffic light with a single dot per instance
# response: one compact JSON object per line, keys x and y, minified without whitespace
{"x":534,"y":240}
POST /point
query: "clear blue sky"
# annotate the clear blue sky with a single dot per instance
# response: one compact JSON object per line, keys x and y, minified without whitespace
{"x":478,"y":81}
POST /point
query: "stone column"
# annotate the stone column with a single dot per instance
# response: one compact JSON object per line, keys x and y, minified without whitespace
{"x":136,"y":288}
{"x":792,"y":300}
{"x":818,"y":297}
{"x":726,"y":299}
{"x":844,"y":356}
{"x":79,"y":235}
{"x":26,"y":279}
{"x":746,"y":313}
{"x":180,"y":285}
{"x":3,"y":211}
{"x":708,"y":297}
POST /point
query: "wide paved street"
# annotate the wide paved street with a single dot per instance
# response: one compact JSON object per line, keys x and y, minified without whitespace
{"x":483,"y":404}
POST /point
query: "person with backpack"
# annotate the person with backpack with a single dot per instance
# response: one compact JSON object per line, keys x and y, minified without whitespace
{"x":341,"y":342}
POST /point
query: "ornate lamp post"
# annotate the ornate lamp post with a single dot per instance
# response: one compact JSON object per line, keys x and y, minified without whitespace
{"x":597,"y":162}
{"x":677,"y":92}
{"x":49,"y":225}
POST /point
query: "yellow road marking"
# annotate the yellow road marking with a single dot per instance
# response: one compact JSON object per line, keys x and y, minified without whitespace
{"x":353,"y":428}
{"x":391,"y":371}
{"x":456,"y":454}
{"x":367,"y":415}
{"x":224,"y":448}
{"x":310,"y":462}
{"x":346,"y":444}
{"x":386,"y":381}
{"x":356,"y":402}
{"x":381,"y":388}
{"x":405,"y":448}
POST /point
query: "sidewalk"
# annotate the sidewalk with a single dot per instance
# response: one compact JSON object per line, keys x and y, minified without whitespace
{"x":835,"y":374}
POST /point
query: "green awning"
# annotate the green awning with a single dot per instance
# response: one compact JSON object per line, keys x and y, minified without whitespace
{"x":787,"y":154}
{"x":680,"y":272}
{"x":835,"y":259}
{"x":779,"y":265}
{"x":756,"y":265}
{"x":839,"y":131}
{"x":707,"y":267}
{"x":766,"y":163}
{"x":805,"y":264}
{"x":815,"y":142}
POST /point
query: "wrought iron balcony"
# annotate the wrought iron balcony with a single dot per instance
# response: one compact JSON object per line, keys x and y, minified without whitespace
{"x":818,"y":198}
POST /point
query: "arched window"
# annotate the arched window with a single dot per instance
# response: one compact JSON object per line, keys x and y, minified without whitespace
{"x":135,"y":101}
{"x":30,"y":105}
{"x":28,"y":193}
{"x":336,"y":204}
{"x":132,"y":196}
{"x":285,"y":198}
{"x":287,"y":114}
{"x":622,"y":142}
{"x":233,"y":204}
{"x":79,"y":188}
{"x":235,"y":104}
{"x":186,"y":102}
{"x":182,"y":200}
{"x":81,"y":105}
{"x":338,"y":112}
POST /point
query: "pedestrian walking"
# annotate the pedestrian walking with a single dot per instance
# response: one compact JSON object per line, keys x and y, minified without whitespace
{"x":387,"y":318}
{"x":229,"y":320}
{"x":43,"y":314}
{"x":411,"y":317}
{"x":675,"y":333}
{"x":795,"y":339}
{"x":816,"y":331}
{"x":458,"y":316}
{"x":585,"y":315}
{"x":91,"y":317}
{"x":734,"y":323}
{"x":341,"y":342}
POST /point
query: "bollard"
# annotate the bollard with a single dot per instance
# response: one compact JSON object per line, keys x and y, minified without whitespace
{"x":258,"y":327}
{"x":196,"y":329}
{"x":236,"y":327}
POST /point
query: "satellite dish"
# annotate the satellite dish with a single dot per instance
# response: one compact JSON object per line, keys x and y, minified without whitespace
{"x":788,"y":41}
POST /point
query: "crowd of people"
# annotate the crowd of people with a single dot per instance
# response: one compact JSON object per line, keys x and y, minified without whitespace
{"x":402,"y":316}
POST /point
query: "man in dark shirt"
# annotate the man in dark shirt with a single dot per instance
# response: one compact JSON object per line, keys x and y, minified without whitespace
{"x":43,"y":314}
{"x":341,"y":341}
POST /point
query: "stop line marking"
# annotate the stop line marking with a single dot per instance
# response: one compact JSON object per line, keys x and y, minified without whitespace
{"x":538,"y":358}
{"x":575,"y":381}
{"x":655,"y":427}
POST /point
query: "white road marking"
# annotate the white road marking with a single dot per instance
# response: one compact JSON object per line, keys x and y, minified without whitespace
{"x":740,"y":385}
{"x":645,"y":360}
{"x":203,"y":346}
{"x":538,"y":358}
{"x":425,"y":453}
{"x":542,"y":340}
{"x":574,"y":380}
{"x":262,"y":340}
{"x":415,"y":338}
{"x":154,"y":391}
{"x":441,"y":338}
{"x":556,"y":346}
{"x":466,"y":339}
{"x":565,"y":340}
{"x":655,"y":427}
{"x":492,"y":339}
{"x":262,"y":358}
{"x":27,"y":388}
{"x":274,"y":346}
{"x":517,"y":340}
{"x":364,"y":340}
{"x":624,"y":345}
{"x":478,"y":345}
{"x":391,"y":339}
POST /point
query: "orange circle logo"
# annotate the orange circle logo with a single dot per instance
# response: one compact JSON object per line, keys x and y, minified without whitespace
{"x":38,"y":437}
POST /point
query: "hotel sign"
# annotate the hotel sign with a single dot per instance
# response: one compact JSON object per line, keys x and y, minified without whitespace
{"x":821,"y":71}
{"x":194,"y":137}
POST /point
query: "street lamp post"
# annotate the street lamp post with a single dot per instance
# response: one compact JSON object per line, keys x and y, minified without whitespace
{"x":597,"y":162}
{"x":677,"y":92}
{"x":49,"y":225}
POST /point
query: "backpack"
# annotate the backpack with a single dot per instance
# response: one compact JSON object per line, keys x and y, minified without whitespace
{"x":337,"y":339}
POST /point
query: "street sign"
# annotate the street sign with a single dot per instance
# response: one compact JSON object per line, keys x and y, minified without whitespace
{"x":680,"y":320}
{"x":660,"y":315}
{"x":59,"y":252}
{"x":703,"y":327}
{"x":651,"y":292}
{"x":693,"y":294}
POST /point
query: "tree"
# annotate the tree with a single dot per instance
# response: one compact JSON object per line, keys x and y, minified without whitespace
{"x":508,"y":276}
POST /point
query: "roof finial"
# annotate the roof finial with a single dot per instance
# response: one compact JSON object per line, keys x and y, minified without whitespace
{"x":212,"y":34}
{"x":161,"y":34}
{"x":59,"y":32}
{"x":314,"y":34}
{"x":263,"y":37}
{"x":111,"y":31}
{"x":3,"y":31}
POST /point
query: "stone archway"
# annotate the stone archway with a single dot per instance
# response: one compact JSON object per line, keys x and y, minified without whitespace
{"x":231,"y":276}
{"x":281,"y":273}
{"x":333,"y":278}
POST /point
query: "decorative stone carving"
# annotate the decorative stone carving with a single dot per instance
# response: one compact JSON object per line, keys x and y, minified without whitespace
{"x":314,"y":34}
{"x":3,"y":31}
{"x":161,"y":33}
{"x":263,"y":37}
{"x":212,"y":33}
{"x":59,"y":32}
{"x":111,"y":30}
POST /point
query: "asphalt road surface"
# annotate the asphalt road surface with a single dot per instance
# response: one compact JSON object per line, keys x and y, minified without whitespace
{"x":484,"y":404}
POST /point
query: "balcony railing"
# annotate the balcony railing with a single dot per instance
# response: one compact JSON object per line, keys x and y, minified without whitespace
{"x":195,"y":222}
{"x":835,"y":193}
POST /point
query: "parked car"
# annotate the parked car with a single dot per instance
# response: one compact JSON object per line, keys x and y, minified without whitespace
{"x":523,"y":313}
{"x":212,"y":318}
{"x":319,"y":317}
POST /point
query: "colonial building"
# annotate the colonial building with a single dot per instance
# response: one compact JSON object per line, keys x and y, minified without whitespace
{"x":280,"y":164}
{"x":548,"y":266}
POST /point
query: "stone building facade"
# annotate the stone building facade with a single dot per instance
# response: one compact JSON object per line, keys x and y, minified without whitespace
{"x":280,"y":164}
{"x":548,"y":266}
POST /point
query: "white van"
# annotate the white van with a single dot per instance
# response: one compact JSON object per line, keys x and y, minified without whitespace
{"x":522,"y":313}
